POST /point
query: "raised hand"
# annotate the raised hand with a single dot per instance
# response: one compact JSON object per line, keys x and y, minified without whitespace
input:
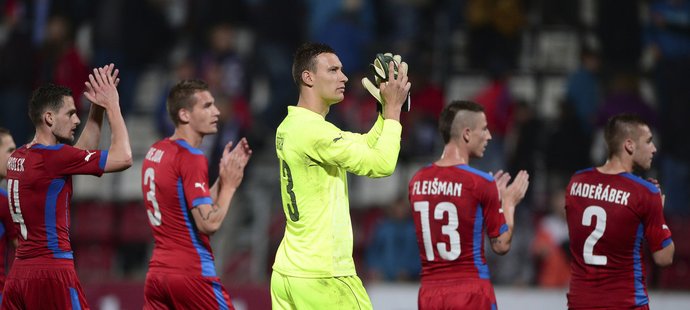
{"x":513,"y":194}
{"x":502,"y":178}
{"x":233,"y":162}
{"x":396,"y":89}
{"x":101,"y":89}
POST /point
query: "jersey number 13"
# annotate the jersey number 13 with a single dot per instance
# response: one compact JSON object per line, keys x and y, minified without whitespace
{"x":447,"y":251}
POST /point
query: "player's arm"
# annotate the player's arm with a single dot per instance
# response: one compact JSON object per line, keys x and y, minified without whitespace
{"x":209,"y":217}
{"x":656,"y":231}
{"x":664,"y":257}
{"x":102,"y":91}
{"x":510,"y":197}
{"x":91,"y":134}
{"x":88,"y":140}
{"x":357,"y":153}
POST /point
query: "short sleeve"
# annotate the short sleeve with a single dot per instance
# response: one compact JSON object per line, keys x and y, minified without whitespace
{"x":194,"y":172}
{"x":656,"y":231}
{"x":68,"y":160}
{"x":493,"y":213}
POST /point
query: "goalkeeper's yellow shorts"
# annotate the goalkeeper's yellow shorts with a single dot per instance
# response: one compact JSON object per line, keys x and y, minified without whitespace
{"x":318,"y":293}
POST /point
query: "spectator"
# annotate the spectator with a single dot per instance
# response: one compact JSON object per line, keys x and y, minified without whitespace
{"x":393,"y":254}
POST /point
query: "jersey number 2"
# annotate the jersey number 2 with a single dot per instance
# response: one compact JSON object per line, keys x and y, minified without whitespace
{"x":599,"y":228}
{"x":15,"y":209}
{"x":155,"y":216}
{"x":450,"y":230}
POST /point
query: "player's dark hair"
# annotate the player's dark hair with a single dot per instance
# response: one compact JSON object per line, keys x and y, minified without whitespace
{"x":305,"y":59}
{"x":3,"y":132}
{"x":620,"y":127}
{"x":180,"y":97}
{"x":48,"y":97}
{"x":445,"y":121}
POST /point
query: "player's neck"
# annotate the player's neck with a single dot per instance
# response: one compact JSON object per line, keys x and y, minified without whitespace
{"x":190,"y":136}
{"x":453,"y":156}
{"x":615,"y":165}
{"x":43,"y":136}
{"x":312,"y":103}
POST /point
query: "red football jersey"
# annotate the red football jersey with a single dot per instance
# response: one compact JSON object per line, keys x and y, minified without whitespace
{"x":39,"y":187}
{"x":453,"y":207}
{"x":174,"y":181}
{"x":608,"y":218}
{"x":7,"y":234}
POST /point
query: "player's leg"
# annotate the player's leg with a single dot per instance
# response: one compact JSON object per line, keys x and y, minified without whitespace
{"x":53,"y":289}
{"x":465,"y":294}
{"x":198,"y":292}
{"x":328,"y":293}
{"x":280,"y":292}
{"x":11,"y":294}
{"x":155,"y":292}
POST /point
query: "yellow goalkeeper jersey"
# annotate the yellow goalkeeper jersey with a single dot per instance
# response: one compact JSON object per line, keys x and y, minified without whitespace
{"x":315,"y":157}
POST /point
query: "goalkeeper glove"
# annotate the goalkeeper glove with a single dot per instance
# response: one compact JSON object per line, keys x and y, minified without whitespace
{"x":380,"y":70}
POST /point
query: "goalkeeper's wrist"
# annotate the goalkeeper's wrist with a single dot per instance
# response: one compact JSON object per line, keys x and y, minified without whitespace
{"x":391,"y":112}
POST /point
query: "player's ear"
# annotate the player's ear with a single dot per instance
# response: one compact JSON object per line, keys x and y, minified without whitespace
{"x":308,"y":78}
{"x":184,"y":115}
{"x":48,"y":118}
{"x":466,"y":134}
{"x":629,"y":146}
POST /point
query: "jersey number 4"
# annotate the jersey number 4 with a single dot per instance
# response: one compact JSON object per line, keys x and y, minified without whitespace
{"x":450,"y":251}
{"x":588,"y":251}
{"x":15,"y":209}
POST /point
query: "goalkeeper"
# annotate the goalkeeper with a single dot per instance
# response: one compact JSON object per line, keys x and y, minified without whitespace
{"x":313,"y":268}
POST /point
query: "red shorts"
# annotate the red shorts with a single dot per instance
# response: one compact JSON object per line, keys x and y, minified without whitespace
{"x":644,"y":307}
{"x":457,"y":294}
{"x":43,"y":284}
{"x":176,"y":291}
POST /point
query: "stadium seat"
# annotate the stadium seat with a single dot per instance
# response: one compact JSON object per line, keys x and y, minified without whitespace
{"x":94,"y":262}
{"x":92,"y":222}
{"x":134,"y":224}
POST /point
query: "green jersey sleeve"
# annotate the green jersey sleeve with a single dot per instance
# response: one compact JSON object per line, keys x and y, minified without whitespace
{"x":373,"y":154}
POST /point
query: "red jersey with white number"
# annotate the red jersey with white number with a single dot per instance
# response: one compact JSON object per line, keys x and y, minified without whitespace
{"x":7,"y":234}
{"x":39,"y":188}
{"x":174,"y":181}
{"x":453,"y":207}
{"x":609,"y":216}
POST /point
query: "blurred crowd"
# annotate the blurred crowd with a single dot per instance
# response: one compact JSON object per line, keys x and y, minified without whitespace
{"x":609,"y":57}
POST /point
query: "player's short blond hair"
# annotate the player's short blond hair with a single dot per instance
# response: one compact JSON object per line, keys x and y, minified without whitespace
{"x":620,"y":127}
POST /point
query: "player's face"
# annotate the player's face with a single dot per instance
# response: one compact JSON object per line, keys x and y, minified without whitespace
{"x":65,"y":121}
{"x":204,"y":115}
{"x":644,"y":148}
{"x":329,"y":79}
{"x":7,"y":146}
{"x":479,"y":136}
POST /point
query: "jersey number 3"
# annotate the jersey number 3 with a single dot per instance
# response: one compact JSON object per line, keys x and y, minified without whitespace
{"x":588,"y":251}
{"x":449,"y":251}
{"x":155,"y":216}
{"x":292,"y":205}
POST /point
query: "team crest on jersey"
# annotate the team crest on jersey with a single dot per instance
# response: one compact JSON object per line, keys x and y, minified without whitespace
{"x":279,"y":143}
